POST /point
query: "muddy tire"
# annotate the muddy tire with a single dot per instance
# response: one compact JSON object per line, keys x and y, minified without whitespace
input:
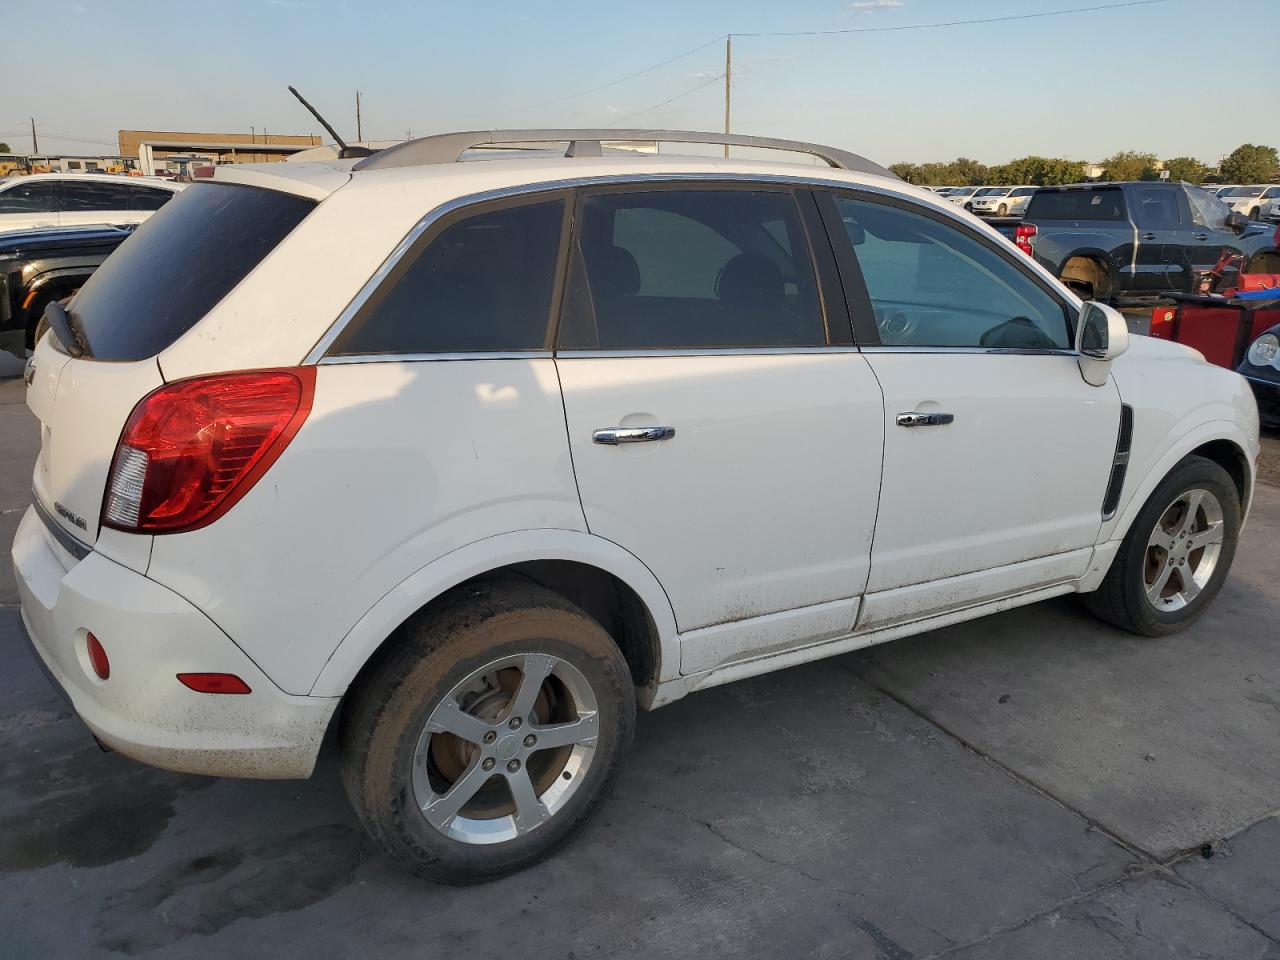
{"x":491,"y":730}
{"x":1176,"y":555}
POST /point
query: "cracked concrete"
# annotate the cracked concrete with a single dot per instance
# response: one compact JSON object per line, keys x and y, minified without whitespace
{"x":978,"y":792}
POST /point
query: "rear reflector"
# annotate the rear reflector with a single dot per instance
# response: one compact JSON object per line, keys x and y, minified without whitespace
{"x":214,"y":683}
{"x":193,"y":448}
{"x":1022,"y":235}
{"x":97,"y":657}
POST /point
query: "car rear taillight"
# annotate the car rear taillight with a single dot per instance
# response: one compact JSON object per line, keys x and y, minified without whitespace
{"x":191,"y":449}
{"x":1022,"y":237}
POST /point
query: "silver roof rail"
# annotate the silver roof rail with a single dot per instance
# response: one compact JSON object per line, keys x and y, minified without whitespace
{"x":449,"y":147}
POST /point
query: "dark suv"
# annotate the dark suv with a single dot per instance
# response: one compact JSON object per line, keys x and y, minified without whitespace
{"x":1135,"y":240}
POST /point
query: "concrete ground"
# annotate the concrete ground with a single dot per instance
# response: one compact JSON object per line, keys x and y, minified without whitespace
{"x":1031,"y":785}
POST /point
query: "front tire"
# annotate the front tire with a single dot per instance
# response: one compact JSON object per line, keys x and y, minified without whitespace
{"x":1175,"y":557}
{"x":1003,"y":211}
{"x":493,"y":730}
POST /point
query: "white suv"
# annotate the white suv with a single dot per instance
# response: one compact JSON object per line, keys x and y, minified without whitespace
{"x":73,"y":199}
{"x":468,"y":459}
{"x":1002,"y":201}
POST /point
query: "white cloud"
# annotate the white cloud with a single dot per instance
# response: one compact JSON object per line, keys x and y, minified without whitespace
{"x":866,"y":6}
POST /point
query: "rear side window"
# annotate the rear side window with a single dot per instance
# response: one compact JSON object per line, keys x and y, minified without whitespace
{"x":148,"y":198}
{"x":1103,"y":204}
{"x":87,"y":196}
{"x":691,"y":269}
{"x":179,"y":264}
{"x":38,"y":197}
{"x":483,"y":285}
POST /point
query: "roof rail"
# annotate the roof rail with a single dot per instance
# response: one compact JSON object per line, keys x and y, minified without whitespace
{"x":449,"y":147}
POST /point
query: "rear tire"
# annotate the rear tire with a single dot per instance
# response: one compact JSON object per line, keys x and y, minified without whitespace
{"x":1155,"y":590}
{"x":438,"y":740}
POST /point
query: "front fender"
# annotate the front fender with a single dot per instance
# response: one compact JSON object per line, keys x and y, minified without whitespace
{"x":482,"y":556}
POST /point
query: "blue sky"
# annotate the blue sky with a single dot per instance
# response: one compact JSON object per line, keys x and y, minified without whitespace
{"x":1174,"y":78}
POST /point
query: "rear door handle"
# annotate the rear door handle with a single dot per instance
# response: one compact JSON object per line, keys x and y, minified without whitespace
{"x":1201,"y":236}
{"x":1147,"y":236}
{"x":616,"y":435}
{"x":917,"y":419}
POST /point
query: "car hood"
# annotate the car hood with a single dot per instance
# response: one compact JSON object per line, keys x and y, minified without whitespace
{"x":1152,"y":348}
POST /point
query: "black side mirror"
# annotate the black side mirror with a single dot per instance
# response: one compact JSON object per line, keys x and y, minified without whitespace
{"x":1237,"y":221}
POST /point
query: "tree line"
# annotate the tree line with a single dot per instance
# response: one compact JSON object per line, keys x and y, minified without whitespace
{"x":1248,"y":163}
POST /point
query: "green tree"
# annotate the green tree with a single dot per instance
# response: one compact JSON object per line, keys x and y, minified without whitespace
{"x":4,"y":147}
{"x":1250,"y":163}
{"x":1130,"y":165}
{"x":907,"y":171}
{"x":1042,"y":171}
{"x":1186,"y":168}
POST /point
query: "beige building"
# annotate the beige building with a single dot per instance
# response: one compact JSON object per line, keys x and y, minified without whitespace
{"x":151,"y":147}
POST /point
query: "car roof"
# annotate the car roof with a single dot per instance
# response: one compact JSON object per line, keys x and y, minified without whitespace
{"x":99,"y":178}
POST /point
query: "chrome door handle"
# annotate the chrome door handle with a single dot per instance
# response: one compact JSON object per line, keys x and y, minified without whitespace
{"x":616,"y":435}
{"x":916,"y":419}
{"x":1201,"y":236}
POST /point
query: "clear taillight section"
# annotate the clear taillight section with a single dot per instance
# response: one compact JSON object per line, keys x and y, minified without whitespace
{"x":193,"y":448}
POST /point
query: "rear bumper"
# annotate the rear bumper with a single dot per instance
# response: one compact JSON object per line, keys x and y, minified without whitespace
{"x":150,"y":635}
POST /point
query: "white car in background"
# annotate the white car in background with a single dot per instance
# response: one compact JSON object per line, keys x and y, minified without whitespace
{"x":71,"y":199}
{"x":1248,"y":200}
{"x":1271,"y":203}
{"x":491,"y":453}
{"x":1002,"y":201}
{"x":961,"y":196}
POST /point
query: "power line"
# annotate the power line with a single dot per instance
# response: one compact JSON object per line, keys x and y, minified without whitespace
{"x":614,"y":83}
{"x":952,"y":23}
{"x":678,"y":96}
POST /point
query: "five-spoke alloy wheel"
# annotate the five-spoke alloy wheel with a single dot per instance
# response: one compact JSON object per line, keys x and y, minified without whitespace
{"x":491,"y":728}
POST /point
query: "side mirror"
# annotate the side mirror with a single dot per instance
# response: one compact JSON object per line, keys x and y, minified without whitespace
{"x":1237,"y":221}
{"x":1101,"y":335}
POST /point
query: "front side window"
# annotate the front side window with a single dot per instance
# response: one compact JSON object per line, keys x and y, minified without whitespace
{"x":38,"y":197}
{"x":691,"y":269}
{"x":482,"y":285}
{"x":933,"y":285}
{"x":1155,"y":207}
{"x":1206,"y":209}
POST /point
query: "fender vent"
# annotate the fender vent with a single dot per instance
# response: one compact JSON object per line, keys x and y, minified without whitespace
{"x":1118,"y":465}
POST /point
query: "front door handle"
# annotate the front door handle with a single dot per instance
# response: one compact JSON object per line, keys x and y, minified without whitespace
{"x":1147,"y":236}
{"x":917,"y":419}
{"x":1201,"y":236}
{"x":616,"y":435}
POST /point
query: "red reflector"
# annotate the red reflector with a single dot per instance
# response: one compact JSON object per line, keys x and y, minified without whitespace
{"x":1022,"y":235}
{"x":97,"y":657}
{"x":193,"y":448}
{"x":213,"y":682}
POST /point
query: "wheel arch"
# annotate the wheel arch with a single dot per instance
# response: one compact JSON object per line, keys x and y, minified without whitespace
{"x":1094,"y":255}
{"x":608,"y":582}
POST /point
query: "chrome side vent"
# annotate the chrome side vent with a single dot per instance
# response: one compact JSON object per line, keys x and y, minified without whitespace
{"x":1119,"y":464}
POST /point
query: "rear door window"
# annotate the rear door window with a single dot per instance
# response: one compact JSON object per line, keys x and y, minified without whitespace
{"x":482,"y":285}
{"x":179,"y":264}
{"x":86,"y":196}
{"x":1102,"y":204}
{"x":691,"y":269}
{"x":148,"y":198}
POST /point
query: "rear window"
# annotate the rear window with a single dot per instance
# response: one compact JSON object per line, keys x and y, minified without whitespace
{"x":179,"y":264}
{"x":1105,"y":204}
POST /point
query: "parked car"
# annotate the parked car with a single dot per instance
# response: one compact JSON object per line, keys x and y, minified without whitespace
{"x":1270,"y":209}
{"x":1002,"y":201}
{"x":1141,"y":239}
{"x":39,"y":266}
{"x":69,"y":199}
{"x":1261,"y":367}
{"x":963,"y":196}
{"x":468,"y":459}
{"x":1249,"y":200}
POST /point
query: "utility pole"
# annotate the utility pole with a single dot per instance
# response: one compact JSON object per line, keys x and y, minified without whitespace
{"x":35,"y":147}
{"x":728,"y":83}
{"x":359,"y":128}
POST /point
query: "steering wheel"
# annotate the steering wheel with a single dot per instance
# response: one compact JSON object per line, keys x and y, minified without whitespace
{"x":1020,"y":333}
{"x":896,"y":326}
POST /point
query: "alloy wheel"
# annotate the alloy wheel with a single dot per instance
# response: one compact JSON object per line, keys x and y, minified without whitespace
{"x":506,"y":748}
{"x":1183,"y":550}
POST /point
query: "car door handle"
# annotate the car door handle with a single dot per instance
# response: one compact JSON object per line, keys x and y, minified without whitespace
{"x":1201,"y":236}
{"x":917,"y":419}
{"x":616,"y":435}
{"x":1147,"y":236}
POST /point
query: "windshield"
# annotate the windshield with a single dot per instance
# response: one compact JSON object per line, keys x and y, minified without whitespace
{"x":182,"y":260}
{"x":992,"y":192}
{"x":1242,"y":192}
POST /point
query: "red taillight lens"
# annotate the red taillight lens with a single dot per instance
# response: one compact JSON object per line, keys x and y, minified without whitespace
{"x":1022,"y":237}
{"x":192,"y":448}
{"x":213,"y":683}
{"x":97,"y":657}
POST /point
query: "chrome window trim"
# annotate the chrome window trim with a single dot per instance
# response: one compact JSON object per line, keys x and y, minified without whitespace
{"x":1024,"y":351}
{"x":432,"y":357}
{"x":319,"y":351}
{"x":705,"y":352}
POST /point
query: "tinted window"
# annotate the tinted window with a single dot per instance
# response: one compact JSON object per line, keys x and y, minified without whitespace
{"x":934,"y":285}
{"x":1155,"y":207}
{"x":81,"y":196}
{"x":178,"y":264}
{"x":1103,"y":204}
{"x":482,"y":285}
{"x":148,"y":198}
{"x":38,"y":197}
{"x":691,"y":269}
